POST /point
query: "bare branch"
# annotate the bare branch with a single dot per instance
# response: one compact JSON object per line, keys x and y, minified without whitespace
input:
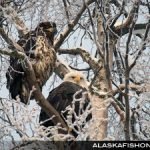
{"x":66,"y":9}
{"x":119,"y":111}
{"x":117,"y":4}
{"x":70,"y":26}
{"x":142,"y":46}
{"x":8,"y":52}
{"x":134,"y":16}
{"x":94,"y":32}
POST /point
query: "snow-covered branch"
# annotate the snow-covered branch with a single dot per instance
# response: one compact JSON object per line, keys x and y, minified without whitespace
{"x":134,"y":87}
{"x":11,"y":15}
{"x":70,"y":26}
{"x":94,"y":64}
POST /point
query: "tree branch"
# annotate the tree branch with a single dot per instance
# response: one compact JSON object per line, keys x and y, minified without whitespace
{"x":117,"y":4}
{"x":47,"y":107}
{"x":58,"y":42}
{"x":12,"y":44}
{"x":117,"y":15}
{"x":134,"y":87}
{"x":31,"y":79}
{"x":11,"y":15}
{"x":130,"y":17}
{"x":94,"y":31}
{"x":142,"y":46}
{"x":119,"y":111}
{"x":66,"y":10}
{"x":134,"y":16}
{"x":125,"y":26}
{"x":85,"y":56}
{"x":61,"y":69}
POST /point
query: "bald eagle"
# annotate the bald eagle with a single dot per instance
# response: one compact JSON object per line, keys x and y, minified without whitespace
{"x":38,"y":46}
{"x":62,"y":96}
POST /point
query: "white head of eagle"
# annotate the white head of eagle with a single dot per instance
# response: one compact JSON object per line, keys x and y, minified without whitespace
{"x":77,"y":78}
{"x":62,"y":96}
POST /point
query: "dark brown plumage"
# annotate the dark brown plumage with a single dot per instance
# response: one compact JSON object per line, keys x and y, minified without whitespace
{"x":60,"y":98}
{"x":37,"y":45}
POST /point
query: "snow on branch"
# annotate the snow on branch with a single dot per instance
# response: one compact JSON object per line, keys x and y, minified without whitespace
{"x":11,"y":15}
{"x":78,"y":121}
{"x":143,"y":44}
{"x":31,"y":79}
{"x":11,"y":42}
{"x":122,"y":27}
{"x":16,"y":54}
{"x":137,"y":88}
{"x":16,"y":117}
{"x":58,"y":42}
{"x":94,"y":64}
{"x":117,"y":15}
{"x":130,"y":17}
{"x":23,"y":120}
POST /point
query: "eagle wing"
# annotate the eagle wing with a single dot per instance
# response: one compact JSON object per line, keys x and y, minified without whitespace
{"x":15,"y":73}
{"x":37,"y":45}
{"x":60,"y":98}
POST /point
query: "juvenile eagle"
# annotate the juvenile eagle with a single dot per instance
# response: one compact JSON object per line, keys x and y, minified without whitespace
{"x":38,"y":46}
{"x":62,"y":96}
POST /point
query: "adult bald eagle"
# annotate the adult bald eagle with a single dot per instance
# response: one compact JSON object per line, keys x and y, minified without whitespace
{"x":38,"y":46}
{"x":62,"y":96}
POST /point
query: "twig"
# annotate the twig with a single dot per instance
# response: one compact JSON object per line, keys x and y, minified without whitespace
{"x":71,"y":25}
{"x":93,"y":28}
{"x":142,"y":46}
{"x":66,"y":10}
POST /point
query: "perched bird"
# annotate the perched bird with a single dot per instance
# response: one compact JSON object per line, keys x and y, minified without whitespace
{"x":38,"y":46}
{"x":62,"y":96}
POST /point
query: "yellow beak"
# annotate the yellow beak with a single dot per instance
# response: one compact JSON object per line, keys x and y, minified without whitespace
{"x":77,"y":79}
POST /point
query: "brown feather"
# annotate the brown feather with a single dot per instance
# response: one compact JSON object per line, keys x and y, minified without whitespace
{"x":37,"y":45}
{"x":60,"y":98}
